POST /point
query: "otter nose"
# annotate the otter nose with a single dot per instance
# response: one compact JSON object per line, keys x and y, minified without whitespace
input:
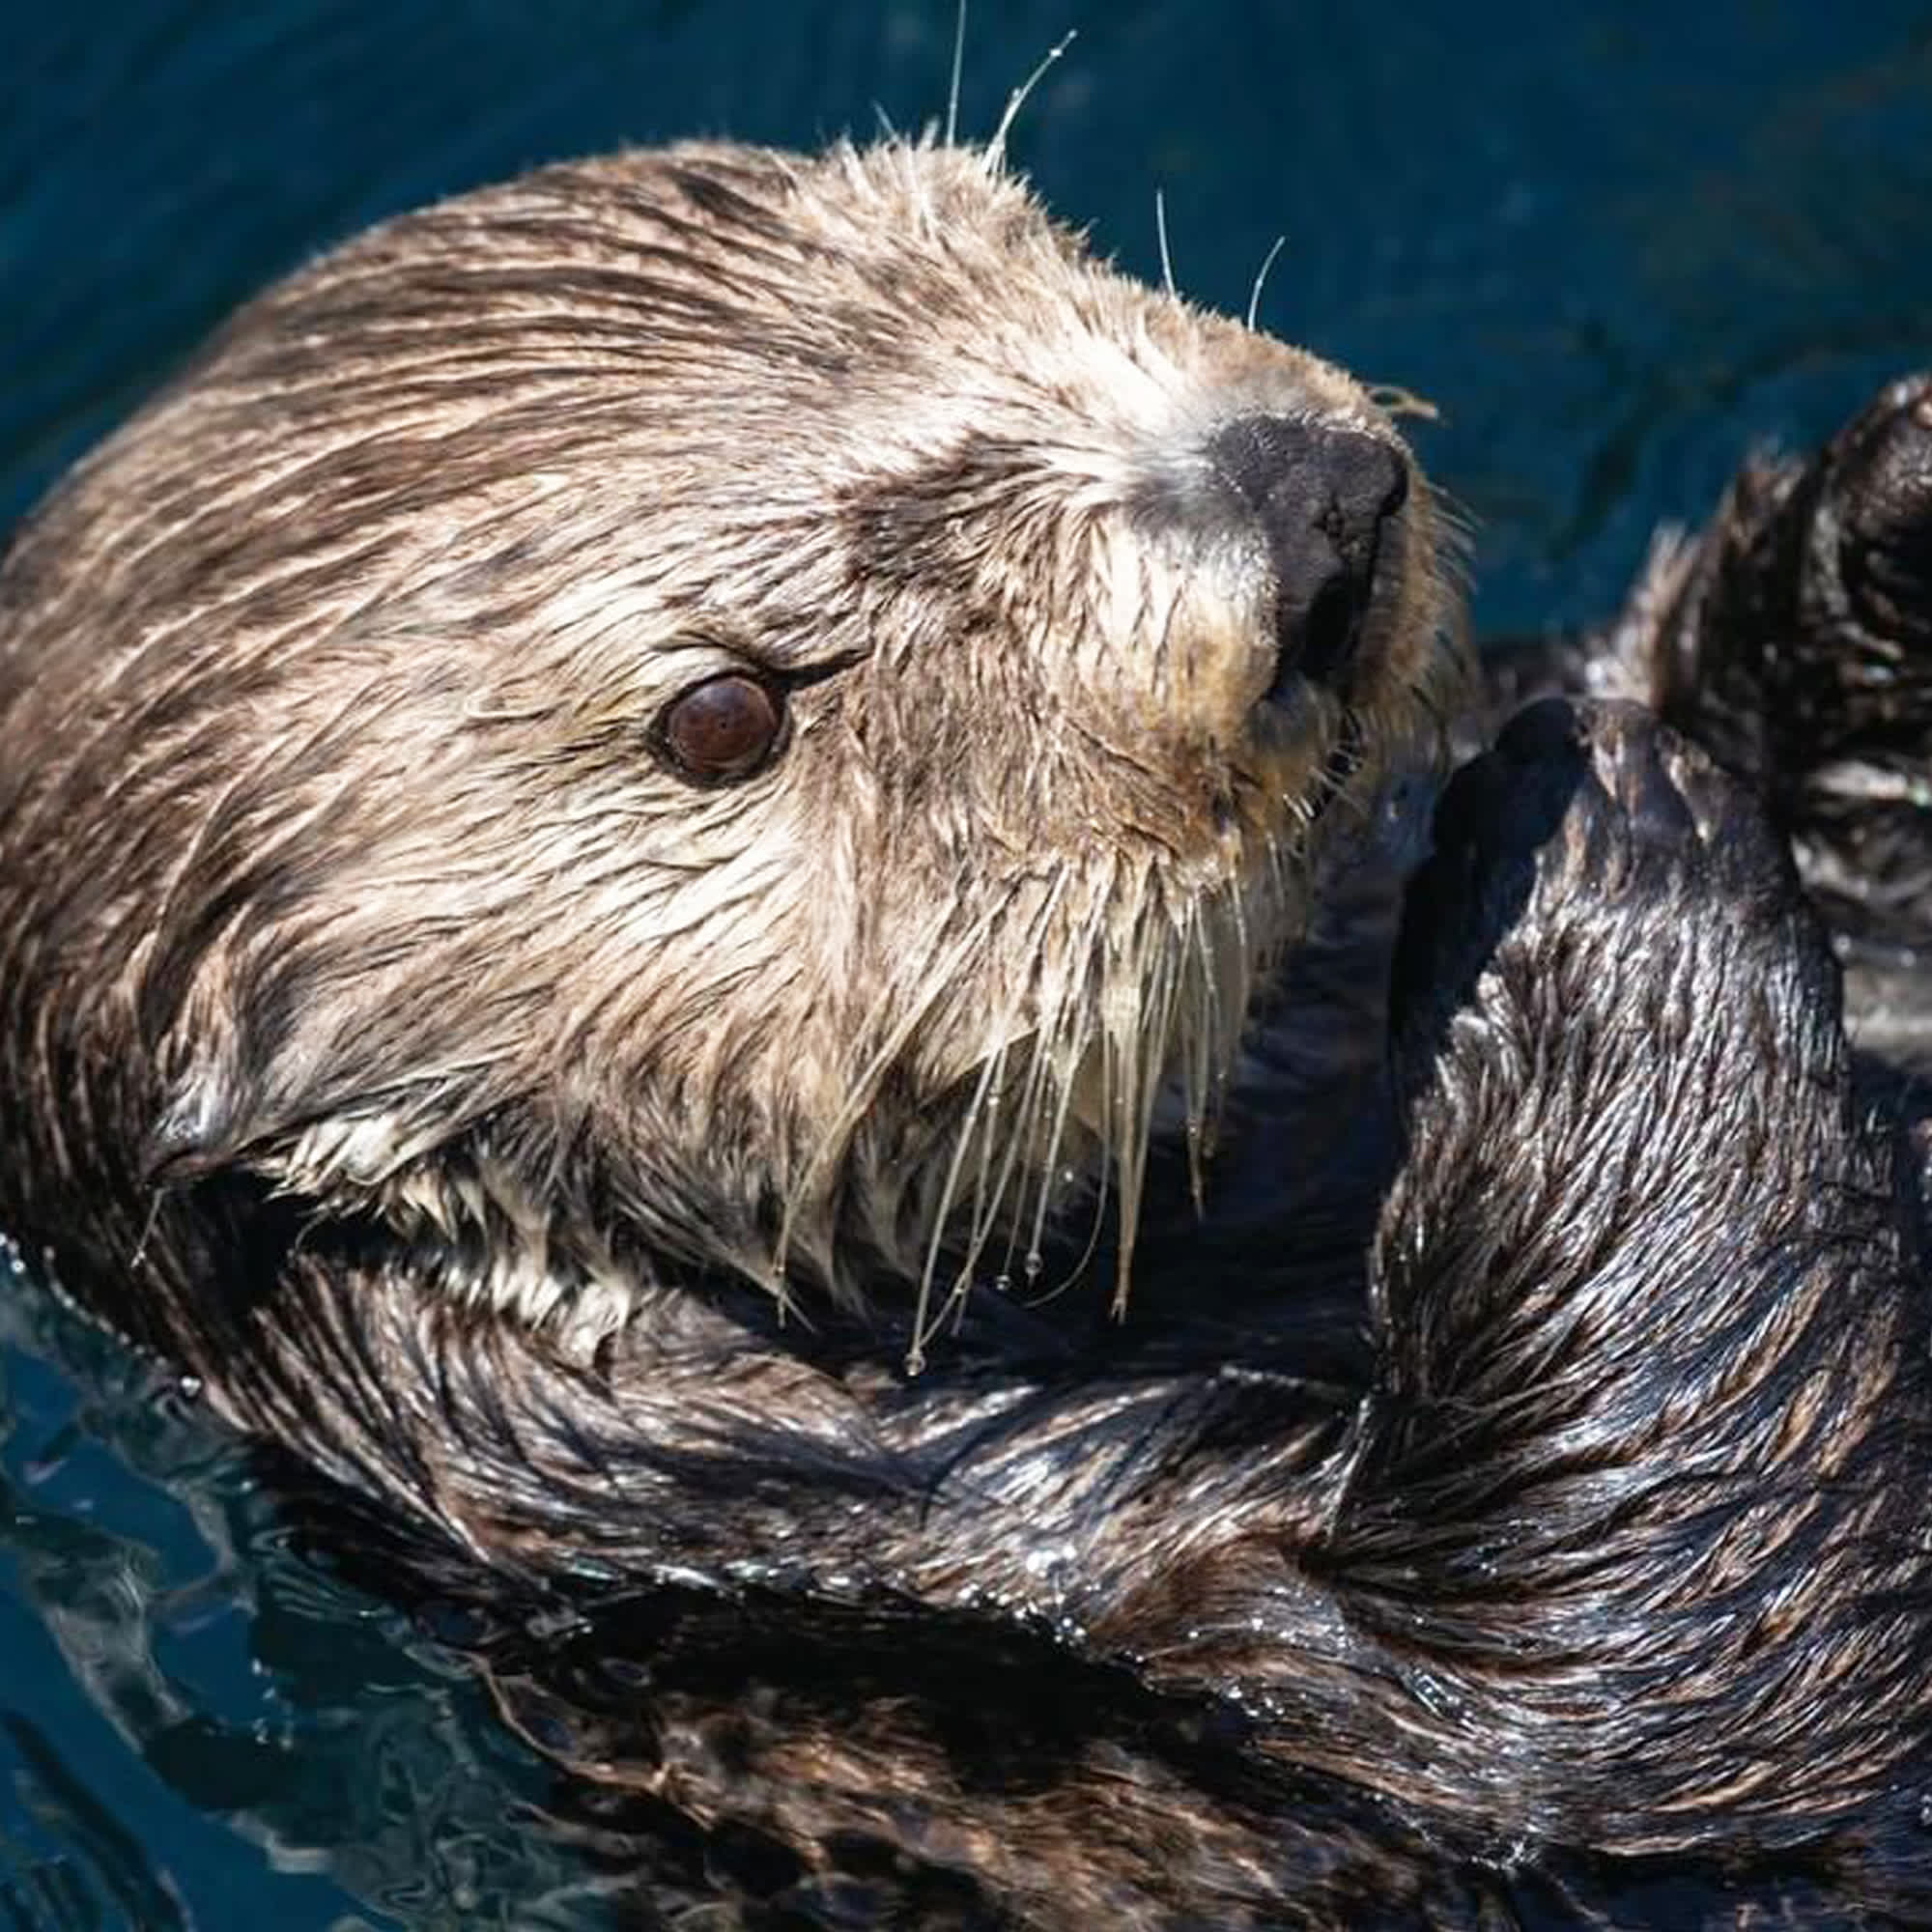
{"x":1322,"y":495}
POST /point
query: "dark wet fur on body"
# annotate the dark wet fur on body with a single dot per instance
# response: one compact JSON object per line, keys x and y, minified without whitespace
{"x":1510,"y":1500}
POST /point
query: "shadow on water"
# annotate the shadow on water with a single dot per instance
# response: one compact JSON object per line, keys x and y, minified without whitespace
{"x":1615,"y":242}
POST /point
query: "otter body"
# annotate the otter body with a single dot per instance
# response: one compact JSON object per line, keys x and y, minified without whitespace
{"x":619,"y":817}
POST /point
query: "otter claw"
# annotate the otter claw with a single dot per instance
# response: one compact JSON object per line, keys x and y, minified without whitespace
{"x":1594,"y":814}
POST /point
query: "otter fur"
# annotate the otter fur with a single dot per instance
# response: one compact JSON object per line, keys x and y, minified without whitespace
{"x":621,"y":816}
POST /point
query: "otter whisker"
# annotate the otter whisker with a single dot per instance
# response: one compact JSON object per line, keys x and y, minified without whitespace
{"x":1129,"y":1138}
{"x":914,"y":1359}
{"x":1127,"y":997}
{"x":959,"y":72}
{"x":1260,"y":278}
{"x":994,"y":155}
{"x":1237,"y":906}
{"x":982,"y":1121}
{"x":999,"y":1113}
{"x":1204,"y":1053}
{"x":1067,"y":1048}
{"x":1038,"y":1101}
{"x":1160,"y":229}
{"x":983,"y":1202}
{"x":833,"y":1143}
{"x":1456,"y":522}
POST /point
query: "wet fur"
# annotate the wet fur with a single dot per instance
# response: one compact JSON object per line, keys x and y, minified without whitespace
{"x":1543,"y":1525}
{"x":459,"y":509}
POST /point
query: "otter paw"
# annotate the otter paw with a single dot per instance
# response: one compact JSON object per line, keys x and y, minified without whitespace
{"x":1801,"y":640}
{"x":1592,"y":830}
{"x":1871,"y":582}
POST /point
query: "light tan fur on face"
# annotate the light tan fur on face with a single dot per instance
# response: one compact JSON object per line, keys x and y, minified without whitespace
{"x":436,"y":532}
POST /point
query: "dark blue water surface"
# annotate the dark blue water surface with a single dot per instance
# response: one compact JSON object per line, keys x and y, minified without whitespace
{"x":1613,"y":241}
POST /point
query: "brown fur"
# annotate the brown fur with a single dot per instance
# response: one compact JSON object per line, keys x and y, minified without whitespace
{"x":341,"y":852}
{"x":569,"y":1158}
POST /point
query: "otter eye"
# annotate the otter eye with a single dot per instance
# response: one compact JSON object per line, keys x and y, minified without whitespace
{"x":722,"y":728}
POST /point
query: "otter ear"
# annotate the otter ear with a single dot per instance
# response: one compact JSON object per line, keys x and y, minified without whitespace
{"x":322,"y":1141}
{"x":323,"y":1086}
{"x":236,"y":1106}
{"x":213,"y":1119}
{"x":252,"y":1066}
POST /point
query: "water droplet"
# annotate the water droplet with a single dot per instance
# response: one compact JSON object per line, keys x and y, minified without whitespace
{"x":1003,"y":1285}
{"x":1035,"y":1265}
{"x":189,"y":1387}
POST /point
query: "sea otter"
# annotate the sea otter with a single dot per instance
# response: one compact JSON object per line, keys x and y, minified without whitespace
{"x":625,"y":810}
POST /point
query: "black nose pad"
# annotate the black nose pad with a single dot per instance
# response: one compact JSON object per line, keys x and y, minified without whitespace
{"x":1322,"y":495}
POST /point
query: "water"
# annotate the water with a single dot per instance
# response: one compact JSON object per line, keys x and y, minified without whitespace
{"x":1615,"y":242}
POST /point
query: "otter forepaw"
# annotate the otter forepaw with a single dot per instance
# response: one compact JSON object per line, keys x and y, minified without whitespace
{"x":1593,"y":829}
{"x":1639,"y":1315}
{"x":1876,"y":503}
{"x":1795,"y":641}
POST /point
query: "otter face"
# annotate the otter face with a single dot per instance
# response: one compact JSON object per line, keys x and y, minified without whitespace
{"x":720,"y":708}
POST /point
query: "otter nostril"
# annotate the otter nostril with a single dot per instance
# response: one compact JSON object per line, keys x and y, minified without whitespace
{"x":1327,"y":635}
{"x":1322,"y":494}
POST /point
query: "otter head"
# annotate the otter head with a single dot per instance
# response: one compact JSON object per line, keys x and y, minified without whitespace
{"x":727,"y":709}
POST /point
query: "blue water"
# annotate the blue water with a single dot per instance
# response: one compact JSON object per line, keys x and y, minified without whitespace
{"x":1615,"y":242}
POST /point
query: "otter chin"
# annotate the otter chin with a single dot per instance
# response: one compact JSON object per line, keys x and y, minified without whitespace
{"x":704,"y":710}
